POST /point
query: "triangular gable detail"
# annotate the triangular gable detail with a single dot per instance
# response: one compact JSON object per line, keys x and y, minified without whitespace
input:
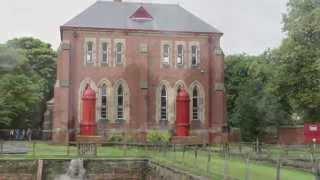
{"x":141,"y":14}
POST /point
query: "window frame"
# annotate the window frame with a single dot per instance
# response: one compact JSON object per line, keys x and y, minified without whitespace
{"x":163,"y":108}
{"x":166,"y":55}
{"x":195,"y":104}
{"x":89,"y":53}
{"x":194,"y":55}
{"x":104,"y":95}
{"x":119,"y":53}
{"x":120,"y":108}
{"x":180,"y":54}
{"x":104,"y":52}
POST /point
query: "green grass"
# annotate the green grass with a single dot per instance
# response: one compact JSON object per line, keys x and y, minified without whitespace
{"x":215,"y":168}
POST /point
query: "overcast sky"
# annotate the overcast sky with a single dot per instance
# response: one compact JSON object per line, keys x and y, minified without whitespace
{"x":249,"y":26}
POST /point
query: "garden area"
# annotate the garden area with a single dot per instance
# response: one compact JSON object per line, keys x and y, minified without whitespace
{"x":209,"y":161}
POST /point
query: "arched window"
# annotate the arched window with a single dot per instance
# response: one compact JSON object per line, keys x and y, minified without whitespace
{"x":163,"y":104}
{"x":195,"y":104}
{"x":104,"y":104}
{"x":120,"y":103}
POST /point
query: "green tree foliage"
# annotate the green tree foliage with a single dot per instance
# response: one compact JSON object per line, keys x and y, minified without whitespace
{"x":298,"y":78}
{"x":18,"y":95}
{"x":251,"y":105}
{"x":27,"y":69}
{"x":41,"y":59}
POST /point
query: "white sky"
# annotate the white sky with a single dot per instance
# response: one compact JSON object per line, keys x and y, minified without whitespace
{"x":249,"y":26}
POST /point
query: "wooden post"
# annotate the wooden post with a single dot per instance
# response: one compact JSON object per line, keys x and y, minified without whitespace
{"x":226,"y":167}
{"x":68,"y":149}
{"x":34,"y":149}
{"x":248,"y":167}
{"x":209,"y":160}
{"x":278,"y":177}
{"x":1,"y":146}
{"x":195,"y":152}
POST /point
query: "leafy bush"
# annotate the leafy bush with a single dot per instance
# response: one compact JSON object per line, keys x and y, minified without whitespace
{"x":115,"y":138}
{"x":159,"y":137}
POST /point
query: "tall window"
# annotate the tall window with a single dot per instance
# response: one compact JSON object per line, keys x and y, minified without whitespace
{"x":180,"y":54}
{"x":120,"y":103}
{"x":194,"y":55}
{"x":104,"y":51}
{"x":195,"y":104}
{"x":119,"y":49}
{"x":163,"y":104}
{"x":166,"y":53}
{"x":89,"y":53}
{"x":103,"y":110}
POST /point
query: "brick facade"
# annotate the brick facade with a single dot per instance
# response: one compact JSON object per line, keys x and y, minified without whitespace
{"x":141,"y":74}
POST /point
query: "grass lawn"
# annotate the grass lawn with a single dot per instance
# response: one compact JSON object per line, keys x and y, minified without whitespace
{"x":236,"y":168}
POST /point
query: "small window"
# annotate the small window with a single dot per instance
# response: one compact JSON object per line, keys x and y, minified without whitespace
{"x":195,"y":104}
{"x":103,"y":109}
{"x":104,"y":51}
{"x":119,"y":49}
{"x":194,"y":55}
{"x":163,"y":104}
{"x":89,"y":53}
{"x":166,"y":54}
{"x":120,"y":103}
{"x":180,"y":54}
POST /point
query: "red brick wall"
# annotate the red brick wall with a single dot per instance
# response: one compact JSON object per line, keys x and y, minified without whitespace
{"x":143,"y":102}
{"x":291,"y":135}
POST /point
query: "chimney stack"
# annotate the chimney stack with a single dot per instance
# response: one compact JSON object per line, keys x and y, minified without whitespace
{"x":117,"y":1}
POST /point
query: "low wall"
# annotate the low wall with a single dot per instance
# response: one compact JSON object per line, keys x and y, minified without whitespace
{"x":18,"y":169}
{"x":129,"y":169}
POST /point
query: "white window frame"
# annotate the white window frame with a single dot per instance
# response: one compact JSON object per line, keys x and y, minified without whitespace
{"x":104,"y":52}
{"x":104,"y":94}
{"x":180,"y":56}
{"x":166,"y":55}
{"x":164,"y":109}
{"x":194,"y":55}
{"x":120,"y":107}
{"x":89,"y":53}
{"x":121,"y":53}
{"x":195,"y":110}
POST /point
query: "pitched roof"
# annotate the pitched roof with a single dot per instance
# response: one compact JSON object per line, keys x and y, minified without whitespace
{"x":116,"y":15}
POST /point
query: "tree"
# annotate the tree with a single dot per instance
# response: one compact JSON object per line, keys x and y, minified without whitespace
{"x":19,"y":94}
{"x":27,"y":68}
{"x":298,"y":78}
{"x":41,"y":59}
{"x":251,"y":105}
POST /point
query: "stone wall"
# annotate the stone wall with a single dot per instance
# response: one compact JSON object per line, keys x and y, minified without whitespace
{"x":126,"y":169}
{"x":18,"y":169}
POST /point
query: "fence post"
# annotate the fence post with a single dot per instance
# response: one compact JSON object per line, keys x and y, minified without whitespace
{"x":196,"y":152}
{"x":34,"y":149}
{"x":68,"y":149}
{"x":278,"y":177}
{"x":248,"y":167}
{"x":1,"y":146}
{"x":316,"y":168}
{"x":209,"y":160}
{"x":226,"y":166}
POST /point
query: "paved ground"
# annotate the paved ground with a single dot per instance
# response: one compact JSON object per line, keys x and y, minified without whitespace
{"x":14,"y":147}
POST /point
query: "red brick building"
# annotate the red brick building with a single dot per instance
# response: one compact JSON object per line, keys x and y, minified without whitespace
{"x":137,"y":56}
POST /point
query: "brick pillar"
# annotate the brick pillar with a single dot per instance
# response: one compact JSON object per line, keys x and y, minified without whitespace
{"x":218,"y":104}
{"x":61,"y":96}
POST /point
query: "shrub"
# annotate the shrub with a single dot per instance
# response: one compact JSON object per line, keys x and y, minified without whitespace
{"x":159,"y":137}
{"x":115,"y":138}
